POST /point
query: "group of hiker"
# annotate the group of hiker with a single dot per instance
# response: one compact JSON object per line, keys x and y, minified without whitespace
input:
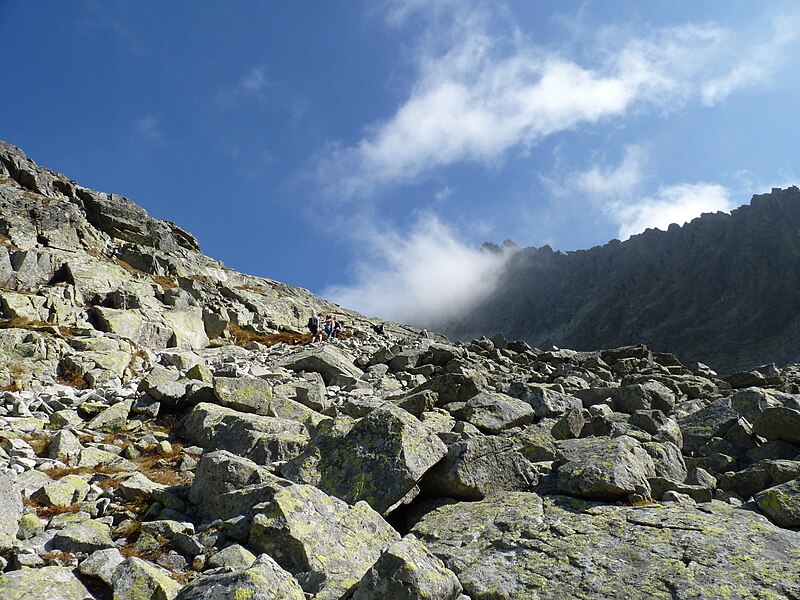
{"x":325,"y":330}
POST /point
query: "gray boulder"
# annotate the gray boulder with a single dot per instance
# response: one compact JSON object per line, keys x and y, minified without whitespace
{"x":264,"y":580}
{"x":545,"y":402}
{"x":328,"y":360}
{"x":102,"y":564}
{"x":52,"y":583}
{"x":10,"y":512}
{"x":603,"y":468}
{"x":86,"y":536}
{"x":259,"y":438}
{"x":135,"y":578}
{"x":226,"y":485}
{"x":379,"y":460}
{"x":712,"y":421}
{"x":495,"y":412}
{"x":478,"y":467}
{"x":519,"y":545}
{"x":407,"y":570}
{"x":779,"y":423}
{"x":245,"y":394}
{"x":306,"y":531}
{"x":781,"y":503}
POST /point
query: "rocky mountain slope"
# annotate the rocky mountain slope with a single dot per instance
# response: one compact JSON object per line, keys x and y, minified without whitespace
{"x":723,"y":289}
{"x":167,"y":433}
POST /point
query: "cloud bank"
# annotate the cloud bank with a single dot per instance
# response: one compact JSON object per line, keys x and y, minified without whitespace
{"x":421,"y":278}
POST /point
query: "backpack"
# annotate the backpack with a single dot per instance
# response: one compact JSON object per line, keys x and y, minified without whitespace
{"x":313,"y":323}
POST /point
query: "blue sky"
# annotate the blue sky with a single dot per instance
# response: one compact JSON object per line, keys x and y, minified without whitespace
{"x":364,"y":150}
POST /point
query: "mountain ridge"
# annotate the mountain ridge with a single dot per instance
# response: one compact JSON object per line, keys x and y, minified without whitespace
{"x":723,"y":289}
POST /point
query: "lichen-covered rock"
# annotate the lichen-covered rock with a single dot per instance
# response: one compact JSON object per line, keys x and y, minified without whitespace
{"x":51,"y":583}
{"x":519,"y":545}
{"x":711,"y":421}
{"x":86,"y":536}
{"x":379,"y":460}
{"x":114,"y":418}
{"x":226,"y":485}
{"x":234,"y":557}
{"x":494,"y":412}
{"x":259,"y":438}
{"x":781,"y":503}
{"x":603,"y":468}
{"x":305,"y":530}
{"x":102,"y":564}
{"x":245,"y":394}
{"x":407,"y":570}
{"x":779,"y":423}
{"x":10,"y":512}
{"x":328,"y":360}
{"x":478,"y":467}
{"x":545,"y":402}
{"x":264,"y":580}
{"x":137,"y":579}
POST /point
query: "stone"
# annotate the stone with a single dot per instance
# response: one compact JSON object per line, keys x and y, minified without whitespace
{"x":305,"y":530}
{"x":101,"y":565}
{"x":10,"y":512}
{"x":520,"y":545}
{"x":52,"y":583}
{"x":546,"y":402}
{"x":569,"y":425}
{"x":712,"y":421}
{"x":259,"y":438}
{"x":86,"y":536}
{"x":135,"y":578}
{"x":781,"y":503}
{"x":245,"y":394}
{"x":476,"y":468}
{"x":779,"y":423}
{"x":235,"y":557}
{"x":379,"y":460}
{"x":494,"y":412}
{"x":226,"y":485}
{"x":114,"y":418}
{"x":407,"y":570}
{"x":164,"y":385}
{"x":264,"y":580}
{"x":603,"y":468}
{"x":187,"y":328}
{"x":328,"y":360}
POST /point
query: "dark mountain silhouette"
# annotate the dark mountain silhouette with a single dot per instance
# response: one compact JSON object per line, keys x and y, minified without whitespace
{"x":723,"y":289}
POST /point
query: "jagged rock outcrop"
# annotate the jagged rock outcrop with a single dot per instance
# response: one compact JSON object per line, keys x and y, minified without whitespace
{"x":723,"y":289}
{"x":374,"y":466}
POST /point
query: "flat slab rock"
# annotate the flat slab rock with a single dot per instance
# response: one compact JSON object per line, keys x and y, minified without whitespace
{"x":520,"y":545}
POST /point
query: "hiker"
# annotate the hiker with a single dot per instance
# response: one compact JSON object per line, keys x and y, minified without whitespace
{"x":424,"y":333}
{"x":329,"y":325}
{"x":338,"y":327}
{"x":314,"y":325}
{"x":379,"y":329}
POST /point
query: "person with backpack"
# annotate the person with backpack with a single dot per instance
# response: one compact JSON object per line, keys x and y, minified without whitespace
{"x":314,"y":326}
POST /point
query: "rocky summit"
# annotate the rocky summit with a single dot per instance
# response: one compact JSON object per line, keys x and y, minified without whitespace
{"x":167,"y":431}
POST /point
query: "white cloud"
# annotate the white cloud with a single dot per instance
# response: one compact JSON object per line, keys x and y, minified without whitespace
{"x":420,"y":278}
{"x":444,"y":193}
{"x":760,"y":62}
{"x":254,"y":80}
{"x":614,"y":181}
{"x":486,"y":90}
{"x":671,"y":204}
{"x":148,"y":128}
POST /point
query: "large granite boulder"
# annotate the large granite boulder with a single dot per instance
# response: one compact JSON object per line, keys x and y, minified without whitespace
{"x":135,"y":578}
{"x":308,"y":532}
{"x":781,"y":503}
{"x":264,"y":580}
{"x":379,"y":460}
{"x":478,"y":467}
{"x":259,"y":438}
{"x":494,"y":412}
{"x":407,"y":570}
{"x":328,"y":360}
{"x":52,"y":583}
{"x":519,"y":545}
{"x":603,"y":468}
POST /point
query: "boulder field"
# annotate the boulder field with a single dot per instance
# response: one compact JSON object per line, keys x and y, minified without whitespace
{"x":166,"y":432}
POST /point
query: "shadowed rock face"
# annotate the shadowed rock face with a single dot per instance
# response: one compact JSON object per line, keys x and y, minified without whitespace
{"x":723,"y":290}
{"x":149,"y":442}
